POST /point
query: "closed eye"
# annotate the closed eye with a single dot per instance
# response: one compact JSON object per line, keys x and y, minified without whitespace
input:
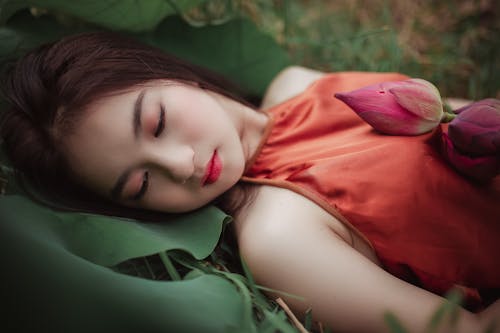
{"x":144,"y":187}
{"x":161,"y":123}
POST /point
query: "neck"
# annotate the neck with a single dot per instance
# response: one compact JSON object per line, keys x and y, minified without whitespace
{"x":252,"y":130}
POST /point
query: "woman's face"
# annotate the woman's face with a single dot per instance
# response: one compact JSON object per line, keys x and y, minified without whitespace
{"x":165,"y":146}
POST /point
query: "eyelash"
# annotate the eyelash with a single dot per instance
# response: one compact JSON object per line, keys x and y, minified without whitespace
{"x":161,"y":123}
{"x":145,"y":177}
{"x":144,"y":186}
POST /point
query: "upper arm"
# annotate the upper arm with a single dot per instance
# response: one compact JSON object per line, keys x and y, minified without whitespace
{"x":289,"y":82}
{"x":287,"y":250}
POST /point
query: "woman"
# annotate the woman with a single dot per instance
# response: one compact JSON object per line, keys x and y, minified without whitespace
{"x":323,"y":207}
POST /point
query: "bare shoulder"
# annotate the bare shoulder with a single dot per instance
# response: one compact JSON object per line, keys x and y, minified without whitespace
{"x":289,"y":82}
{"x":281,"y":211}
{"x":289,"y":246}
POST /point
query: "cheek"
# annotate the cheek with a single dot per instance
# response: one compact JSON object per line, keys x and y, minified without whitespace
{"x":174,"y":200}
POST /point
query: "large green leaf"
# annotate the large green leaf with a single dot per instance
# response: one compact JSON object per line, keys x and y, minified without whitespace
{"x":196,"y":233}
{"x":130,"y":15}
{"x":45,"y":287}
{"x":236,"y":49}
{"x":25,"y":32}
{"x":109,"y":241}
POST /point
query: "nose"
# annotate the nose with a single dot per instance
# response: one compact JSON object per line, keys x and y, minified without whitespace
{"x":176,"y":161}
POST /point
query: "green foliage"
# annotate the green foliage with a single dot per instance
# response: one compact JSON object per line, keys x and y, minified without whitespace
{"x":57,"y":263}
{"x":83,"y":272}
{"x":448,"y":309}
{"x":64,"y":258}
{"x":128,"y":15}
{"x":236,"y":49}
{"x":394,"y":324}
{"x":453,"y":44}
{"x":108,"y":241}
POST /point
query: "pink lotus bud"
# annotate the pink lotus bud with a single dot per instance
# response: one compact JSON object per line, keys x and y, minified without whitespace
{"x":480,"y":168}
{"x":409,"y":107}
{"x":476,"y":128}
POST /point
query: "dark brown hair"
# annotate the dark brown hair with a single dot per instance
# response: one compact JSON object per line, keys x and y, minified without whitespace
{"x":48,"y":89}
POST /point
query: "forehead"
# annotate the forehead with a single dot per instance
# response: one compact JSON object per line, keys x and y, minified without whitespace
{"x":102,"y":139}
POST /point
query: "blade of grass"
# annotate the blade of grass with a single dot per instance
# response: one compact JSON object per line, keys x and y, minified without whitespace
{"x":150,"y":270}
{"x":172,"y":272}
{"x":394,"y":324}
{"x":449,"y":307}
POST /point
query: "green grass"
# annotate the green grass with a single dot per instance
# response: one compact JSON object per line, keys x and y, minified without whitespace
{"x":453,"y":44}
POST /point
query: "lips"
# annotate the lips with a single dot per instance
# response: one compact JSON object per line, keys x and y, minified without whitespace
{"x":213,"y":170}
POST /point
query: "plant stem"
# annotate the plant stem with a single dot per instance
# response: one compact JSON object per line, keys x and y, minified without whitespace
{"x":174,"y":275}
{"x":447,"y":117}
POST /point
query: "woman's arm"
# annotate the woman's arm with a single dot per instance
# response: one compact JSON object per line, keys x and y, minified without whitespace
{"x":288,"y":249}
{"x":456,"y":103}
{"x":289,"y":82}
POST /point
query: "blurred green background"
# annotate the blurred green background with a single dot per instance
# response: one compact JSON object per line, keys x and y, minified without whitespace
{"x":452,"y":43}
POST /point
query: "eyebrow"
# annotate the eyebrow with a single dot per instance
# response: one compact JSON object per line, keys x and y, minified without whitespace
{"x":136,"y":120}
{"x":136,"y":125}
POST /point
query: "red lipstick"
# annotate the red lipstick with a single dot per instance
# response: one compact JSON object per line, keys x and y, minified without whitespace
{"x":213,"y":170}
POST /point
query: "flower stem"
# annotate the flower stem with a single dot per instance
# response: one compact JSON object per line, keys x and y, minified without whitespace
{"x":447,"y":117}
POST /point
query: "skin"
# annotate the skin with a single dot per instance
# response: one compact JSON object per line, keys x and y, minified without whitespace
{"x":174,"y":149}
{"x":288,"y":242}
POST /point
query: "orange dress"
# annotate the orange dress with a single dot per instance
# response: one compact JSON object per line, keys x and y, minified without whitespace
{"x":427,"y":224}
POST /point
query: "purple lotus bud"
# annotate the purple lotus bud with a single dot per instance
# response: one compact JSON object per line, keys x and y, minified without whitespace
{"x":495,"y":103}
{"x":479,"y":168}
{"x":409,"y":107}
{"x":476,"y":128}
